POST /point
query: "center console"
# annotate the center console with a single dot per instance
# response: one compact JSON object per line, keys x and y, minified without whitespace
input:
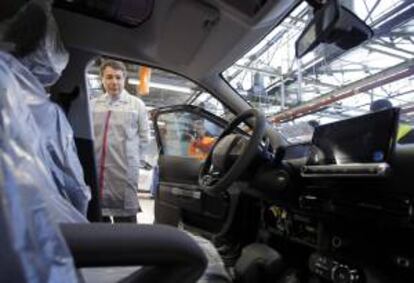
{"x":347,"y":209}
{"x":350,"y":172}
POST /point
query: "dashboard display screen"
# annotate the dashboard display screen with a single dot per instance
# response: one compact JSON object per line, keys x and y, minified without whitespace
{"x":365,"y":139}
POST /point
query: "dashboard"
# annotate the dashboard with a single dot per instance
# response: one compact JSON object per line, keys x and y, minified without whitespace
{"x":347,"y":198}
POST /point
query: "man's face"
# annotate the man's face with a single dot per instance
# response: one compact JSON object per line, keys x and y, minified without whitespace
{"x":113,"y":81}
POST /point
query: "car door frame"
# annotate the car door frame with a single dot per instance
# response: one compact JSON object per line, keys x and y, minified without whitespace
{"x":168,"y":213}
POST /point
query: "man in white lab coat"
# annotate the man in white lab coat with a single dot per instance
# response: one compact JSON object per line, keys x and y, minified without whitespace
{"x":121,"y":132}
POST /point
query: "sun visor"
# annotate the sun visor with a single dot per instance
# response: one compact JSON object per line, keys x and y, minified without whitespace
{"x":130,"y":13}
{"x":187,"y":26}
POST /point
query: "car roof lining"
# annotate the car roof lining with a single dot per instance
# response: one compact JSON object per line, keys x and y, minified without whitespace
{"x":156,"y":44}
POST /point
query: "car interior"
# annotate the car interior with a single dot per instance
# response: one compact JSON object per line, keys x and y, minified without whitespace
{"x":335,"y":208}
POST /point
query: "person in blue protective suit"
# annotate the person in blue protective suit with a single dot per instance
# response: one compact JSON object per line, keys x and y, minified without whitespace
{"x":57,"y":146}
{"x":40,"y":178}
{"x":121,"y":133}
{"x":405,"y":134}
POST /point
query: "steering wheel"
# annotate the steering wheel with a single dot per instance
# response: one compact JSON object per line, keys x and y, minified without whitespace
{"x":212,"y":182}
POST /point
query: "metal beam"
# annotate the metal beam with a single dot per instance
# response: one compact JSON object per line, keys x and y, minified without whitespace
{"x":257,"y":70}
{"x":372,"y":10}
{"x":259,"y":53}
{"x":392,"y":46}
{"x":379,"y":79}
{"x":265,"y":48}
{"x":332,"y":114}
{"x":385,"y":52}
{"x":406,"y":110}
{"x":297,"y":19}
{"x":341,"y":71}
{"x":400,"y":34}
{"x":318,"y":82}
{"x":394,"y":18}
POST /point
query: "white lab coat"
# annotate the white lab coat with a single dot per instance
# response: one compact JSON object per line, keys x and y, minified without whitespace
{"x":121,"y":133}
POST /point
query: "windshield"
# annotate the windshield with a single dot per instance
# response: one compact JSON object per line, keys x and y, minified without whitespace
{"x":329,"y":84}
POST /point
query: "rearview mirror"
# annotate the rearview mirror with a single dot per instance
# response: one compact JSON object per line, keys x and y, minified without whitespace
{"x":335,"y":24}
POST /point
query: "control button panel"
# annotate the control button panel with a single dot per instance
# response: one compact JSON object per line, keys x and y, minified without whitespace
{"x":297,"y":228}
{"x":333,"y":270}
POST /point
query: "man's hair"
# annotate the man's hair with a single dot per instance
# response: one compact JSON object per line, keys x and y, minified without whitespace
{"x":313,"y":123}
{"x":380,"y":104}
{"x":116,"y":65}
